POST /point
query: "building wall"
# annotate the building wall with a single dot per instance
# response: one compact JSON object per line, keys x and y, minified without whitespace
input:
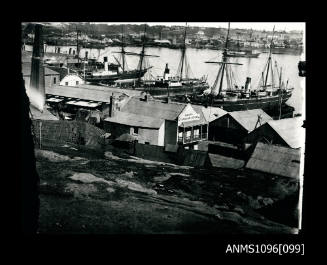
{"x":148,"y":135}
{"x":171,"y":132}
{"x":115,"y":129}
{"x":265,"y":134}
{"x":161,"y":135}
{"x":226,"y":129}
{"x":70,"y":80}
{"x":49,"y":80}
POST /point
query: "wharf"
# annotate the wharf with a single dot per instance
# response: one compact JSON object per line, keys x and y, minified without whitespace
{"x":89,"y":92}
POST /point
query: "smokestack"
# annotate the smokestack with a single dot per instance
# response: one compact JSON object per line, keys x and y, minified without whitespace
{"x":247,"y":83}
{"x":112,"y":106}
{"x":37,"y":82}
{"x":105,"y":60}
{"x":166,"y":72}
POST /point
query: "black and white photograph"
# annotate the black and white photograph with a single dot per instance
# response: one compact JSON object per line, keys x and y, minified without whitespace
{"x":156,"y":128}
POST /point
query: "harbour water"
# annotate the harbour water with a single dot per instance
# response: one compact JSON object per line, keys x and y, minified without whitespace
{"x":251,"y":67}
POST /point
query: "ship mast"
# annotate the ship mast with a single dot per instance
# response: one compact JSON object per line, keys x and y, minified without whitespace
{"x":223,"y":68}
{"x":183,"y":54}
{"x":122,"y":49}
{"x":269,"y":58}
{"x":122,"y":65}
{"x":77,"y":44}
{"x":224,"y":60}
{"x":142,"y":55}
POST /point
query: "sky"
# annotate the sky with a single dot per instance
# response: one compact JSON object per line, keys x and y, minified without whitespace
{"x":288,"y":26}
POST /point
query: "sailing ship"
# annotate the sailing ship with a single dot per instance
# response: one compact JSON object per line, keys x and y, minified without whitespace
{"x":182,"y":83}
{"x":270,"y":95}
{"x":108,"y":76}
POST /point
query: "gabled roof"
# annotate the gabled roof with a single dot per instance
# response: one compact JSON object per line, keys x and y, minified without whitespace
{"x":276,"y":160}
{"x":248,"y":118}
{"x":131,"y":119}
{"x":224,"y":161}
{"x":89,"y":92}
{"x":45,"y":115}
{"x":154,"y":108}
{"x":212,"y":113}
{"x":290,"y":130}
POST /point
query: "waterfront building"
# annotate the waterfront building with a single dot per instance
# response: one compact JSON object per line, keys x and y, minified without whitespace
{"x":275,"y":160}
{"x":72,"y":80}
{"x":285,"y":132}
{"x":234,"y":126}
{"x":159,"y":123}
{"x":51,"y":77}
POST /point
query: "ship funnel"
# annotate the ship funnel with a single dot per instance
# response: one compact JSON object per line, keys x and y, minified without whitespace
{"x":106,"y":66}
{"x":248,"y":83}
{"x":37,"y":82}
{"x":166,"y":72}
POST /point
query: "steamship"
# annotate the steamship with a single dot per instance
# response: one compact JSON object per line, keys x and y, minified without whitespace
{"x":182,"y":83}
{"x":109,"y":77}
{"x":270,"y":96}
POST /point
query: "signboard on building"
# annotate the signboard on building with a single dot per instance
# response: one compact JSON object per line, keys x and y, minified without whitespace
{"x":188,"y":114}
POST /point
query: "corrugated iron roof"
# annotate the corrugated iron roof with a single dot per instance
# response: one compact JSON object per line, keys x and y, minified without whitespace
{"x":248,"y":118}
{"x":89,"y":92}
{"x":160,"y":110}
{"x":154,"y":108}
{"x":276,"y":160}
{"x":290,"y":130}
{"x":26,"y":70}
{"x":131,"y":119}
{"x":212,"y":113}
{"x":45,"y":115}
{"x":225,"y":162}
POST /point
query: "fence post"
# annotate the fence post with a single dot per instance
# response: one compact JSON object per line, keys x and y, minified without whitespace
{"x":40,"y":134}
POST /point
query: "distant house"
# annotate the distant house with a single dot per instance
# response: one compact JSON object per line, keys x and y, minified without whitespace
{"x":234,"y":126}
{"x":160,"y":123}
{"x":72,"y":80}
{"x":147,"y":129}
{"x":284,"y":132}
{"x":275,"y":160}
{"x":51,"y":77}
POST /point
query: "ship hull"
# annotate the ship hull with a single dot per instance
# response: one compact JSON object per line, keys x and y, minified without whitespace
{"x":109,"y":79}
{"x":269,"y":104}
{"x":183,"y":90}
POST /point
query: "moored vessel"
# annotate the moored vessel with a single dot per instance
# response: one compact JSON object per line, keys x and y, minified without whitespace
{"x":270,"y":95}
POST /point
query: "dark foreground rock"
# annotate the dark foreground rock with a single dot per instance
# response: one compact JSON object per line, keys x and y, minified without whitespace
{"x":93,"y":193}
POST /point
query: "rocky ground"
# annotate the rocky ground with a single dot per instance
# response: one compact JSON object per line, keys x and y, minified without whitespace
{"x":88,"y":192}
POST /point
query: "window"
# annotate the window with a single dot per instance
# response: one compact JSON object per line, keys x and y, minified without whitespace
{"x":54,"y":80}
{"x":147,"y":143}
{"x":66,"y":83}
{"x":136,"y":130}
{"x":77,"y":82}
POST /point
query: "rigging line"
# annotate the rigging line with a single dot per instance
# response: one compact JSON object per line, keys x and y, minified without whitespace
{"x":261,"y":80}
{"x":214,"y":87}
{"x":228,"y":78}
